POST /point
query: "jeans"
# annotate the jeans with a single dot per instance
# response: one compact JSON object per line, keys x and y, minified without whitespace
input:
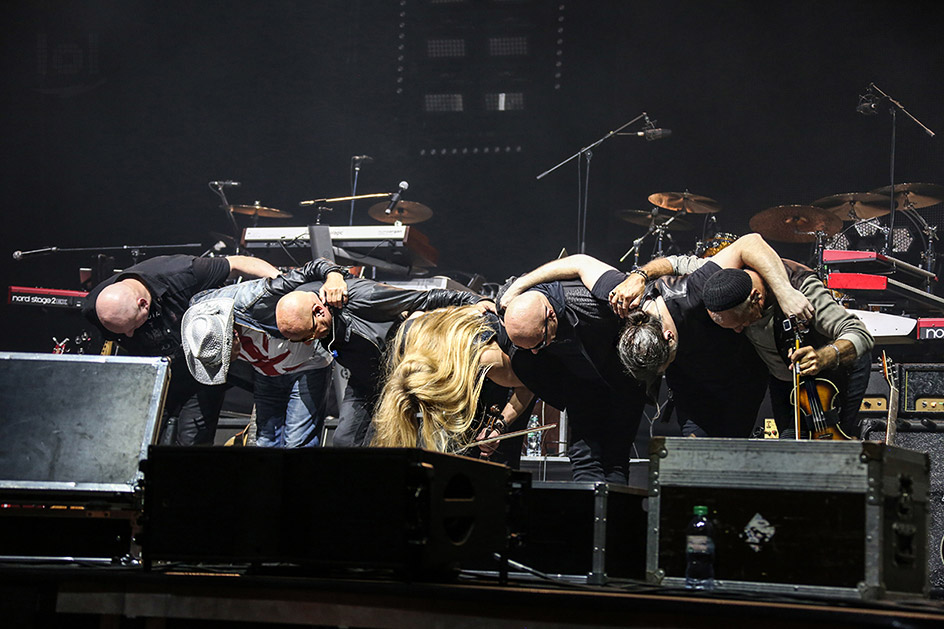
{"x":290,"y":408}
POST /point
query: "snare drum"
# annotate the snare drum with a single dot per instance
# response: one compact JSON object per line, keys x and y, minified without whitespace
{"x":708,"y":248}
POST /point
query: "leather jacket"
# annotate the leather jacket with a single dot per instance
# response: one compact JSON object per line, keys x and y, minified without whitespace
{"x":360,"y":330}
{"x":256,"y":299}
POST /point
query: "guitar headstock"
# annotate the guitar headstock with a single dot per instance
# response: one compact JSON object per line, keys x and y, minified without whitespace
{"x":888,"y":370}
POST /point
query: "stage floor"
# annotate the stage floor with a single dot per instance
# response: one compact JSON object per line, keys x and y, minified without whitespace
{"x":181,"y":596}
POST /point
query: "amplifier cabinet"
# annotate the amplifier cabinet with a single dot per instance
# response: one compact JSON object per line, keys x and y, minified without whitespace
{"x":400,"y":509}
{"x":583,"y":531}
{"x":75,"y":429}
{"x":841,"y":519}
{"x":926,"y":435}
{"x":921,"y":388}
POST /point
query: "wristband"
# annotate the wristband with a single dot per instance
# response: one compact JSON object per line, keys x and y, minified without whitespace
{"x":639,"y":271}
{"x":338,"y":269}
{"x":836,"y":349}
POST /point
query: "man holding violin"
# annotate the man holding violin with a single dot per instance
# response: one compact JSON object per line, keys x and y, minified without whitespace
{"x":833,"y":345}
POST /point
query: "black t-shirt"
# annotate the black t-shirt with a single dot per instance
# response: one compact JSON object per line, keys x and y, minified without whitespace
{"x":710,"y":360}
{"x":172,"y":281}
{"x":714,"y":366}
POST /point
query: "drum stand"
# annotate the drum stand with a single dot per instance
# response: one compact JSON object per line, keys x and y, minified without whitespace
{"x":655,"y":227}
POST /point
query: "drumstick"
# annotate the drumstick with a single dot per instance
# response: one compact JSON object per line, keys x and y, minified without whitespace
{"x":508,"y":435}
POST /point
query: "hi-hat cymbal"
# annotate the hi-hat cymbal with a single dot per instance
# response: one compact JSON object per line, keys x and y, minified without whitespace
{"x":795,"y":223}
{"x":406,"y":212}
{"x":259,"y":210}
{"x":685,"y":202}
{"x":911,"y":196}
{"x":641,"y":217}
{"x":853,"y":206}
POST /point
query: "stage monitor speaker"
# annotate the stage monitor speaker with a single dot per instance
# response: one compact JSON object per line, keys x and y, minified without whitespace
{"x":925,"y":435}
{"x":74,"y":428}
{"x":921,"y":387}
{"x":77,"y":424}
{"x":405,"y":510}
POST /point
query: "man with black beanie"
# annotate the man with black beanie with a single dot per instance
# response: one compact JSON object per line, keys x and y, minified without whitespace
{"x":837,"y":345}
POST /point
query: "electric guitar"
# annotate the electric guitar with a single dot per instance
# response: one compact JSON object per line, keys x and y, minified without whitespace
{"x":891,"y":425}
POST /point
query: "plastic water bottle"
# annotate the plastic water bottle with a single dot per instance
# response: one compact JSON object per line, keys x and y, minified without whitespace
{"x":700,"y":551}
{"x":533,"y":440}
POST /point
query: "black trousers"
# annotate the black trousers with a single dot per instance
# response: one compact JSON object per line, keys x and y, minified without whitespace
{"x":191,"y":410}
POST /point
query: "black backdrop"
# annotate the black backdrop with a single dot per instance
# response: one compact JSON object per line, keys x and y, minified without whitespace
{"x":116,"y":114}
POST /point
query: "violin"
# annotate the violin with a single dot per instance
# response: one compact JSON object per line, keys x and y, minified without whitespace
{"x":814,"y":399}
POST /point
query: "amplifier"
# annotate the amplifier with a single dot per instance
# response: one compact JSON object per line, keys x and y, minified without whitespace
{"x":393,"y":509}
{"x":922,"y":389}
{"x":75,"y":429}
{"x":875,"y":401}
{"x":925,"y":436}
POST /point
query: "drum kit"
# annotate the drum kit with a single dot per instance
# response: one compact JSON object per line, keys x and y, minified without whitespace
{"x":815,"y":223}
{"x":666,"y":215}
{"x":404,"y":212}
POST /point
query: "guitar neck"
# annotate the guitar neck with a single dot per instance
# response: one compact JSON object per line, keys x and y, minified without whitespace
{"x":892,"y":423}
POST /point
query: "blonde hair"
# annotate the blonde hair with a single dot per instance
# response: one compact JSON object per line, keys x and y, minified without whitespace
{"x":433,"y":380}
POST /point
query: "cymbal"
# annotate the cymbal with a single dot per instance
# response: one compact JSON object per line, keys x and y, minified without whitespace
{"x":912,"y":196}
{"x":259,"y":210}
{"x":407,"y":212}
{"x":795,"y":223}
{"x":685,"y":201}
{"x":641,"y":217}
{"x":852,"y":206}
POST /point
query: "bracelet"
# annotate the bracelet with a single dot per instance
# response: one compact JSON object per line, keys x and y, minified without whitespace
{"x":639,"y":271}
{"x":836,"y":349}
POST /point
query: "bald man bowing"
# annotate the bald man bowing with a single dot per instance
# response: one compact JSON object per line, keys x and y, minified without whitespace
{"x":141,"y":309}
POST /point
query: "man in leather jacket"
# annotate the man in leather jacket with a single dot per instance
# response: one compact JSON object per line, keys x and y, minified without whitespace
{"x":351,"y":317}
{"x":356,"y":332}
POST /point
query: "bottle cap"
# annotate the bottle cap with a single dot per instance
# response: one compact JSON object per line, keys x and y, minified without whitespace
{"x":700,"y":510}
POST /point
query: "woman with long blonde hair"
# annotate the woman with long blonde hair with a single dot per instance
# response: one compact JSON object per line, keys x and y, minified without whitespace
{"x":435,"y":372}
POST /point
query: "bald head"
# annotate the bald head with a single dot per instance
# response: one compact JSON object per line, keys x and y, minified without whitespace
{"x":123,"y":307}
{"x":302,"y":316}
{"x":530,"y":320}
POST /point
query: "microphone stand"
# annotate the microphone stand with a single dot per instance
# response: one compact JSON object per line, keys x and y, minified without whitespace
{"x":895,"y":107}
{"x":583,"y":179}
{"x":218,"y":189}
{"x":357,"y":171}
{"x":136,"y":251}
{"x":375,"y":195}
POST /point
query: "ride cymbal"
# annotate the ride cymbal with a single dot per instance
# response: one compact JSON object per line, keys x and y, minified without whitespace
{"x":685,"y":202}
{"x":406,"y":212}
{"x":795,"y":223}
{"x":259,"y":210}
{"x":641,"y":217}
{"x":912,"y":196}
{"x":855,"y":206}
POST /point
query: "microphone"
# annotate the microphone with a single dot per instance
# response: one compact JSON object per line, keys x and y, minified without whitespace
{"x":867,"y":108}
{"x":868,"y":103}
{"x":654,"y":134}
{"x":395,"y":197}
{"x":19,"y":255}
{"x":365,"y":159}
{"x":225,"y":184}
